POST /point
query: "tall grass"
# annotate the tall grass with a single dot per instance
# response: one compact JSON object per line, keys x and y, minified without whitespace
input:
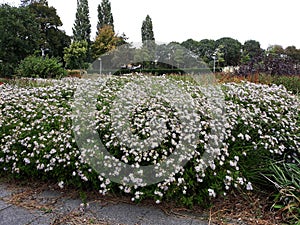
{"x":286,"y":178}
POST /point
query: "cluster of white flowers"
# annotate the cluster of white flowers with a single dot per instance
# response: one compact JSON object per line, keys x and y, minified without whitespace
{"x":143,"y":128}
{"x":35,"y":129}
{"x":268,"y":117}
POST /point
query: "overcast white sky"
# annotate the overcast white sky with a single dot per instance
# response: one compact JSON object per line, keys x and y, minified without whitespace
{"x":269,"y":22}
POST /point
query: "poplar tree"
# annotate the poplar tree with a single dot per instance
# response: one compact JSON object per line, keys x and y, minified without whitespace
{"x":82,"y":25}
{"x":147,"y":30}
{"x":105,"y":17}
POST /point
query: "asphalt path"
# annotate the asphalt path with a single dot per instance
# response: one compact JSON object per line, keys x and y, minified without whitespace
{"x":53,"y":207}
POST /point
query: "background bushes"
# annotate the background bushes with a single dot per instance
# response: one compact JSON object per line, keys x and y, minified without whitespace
{"x":38,"y":67}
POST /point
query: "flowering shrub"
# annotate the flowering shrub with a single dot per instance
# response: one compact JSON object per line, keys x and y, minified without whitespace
{"x":260,"y":123}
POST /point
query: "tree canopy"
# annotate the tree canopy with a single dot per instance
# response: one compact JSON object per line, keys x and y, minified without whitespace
{"x":75,"y":55}
{"x":105,"y":41}
{"x":18,"y":36}
{"x":231,"y":50}
{"x":34,"y":28}
{"x":52,"y":39}
{"x":29,"y":2}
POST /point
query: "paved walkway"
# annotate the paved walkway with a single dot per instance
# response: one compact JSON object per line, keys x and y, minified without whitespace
{"x":52,"y":207}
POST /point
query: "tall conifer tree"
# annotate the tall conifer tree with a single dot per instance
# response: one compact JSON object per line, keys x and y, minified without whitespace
{"x":147,"y":30}
{"x":82,"y":25}
{"x":105,"y":16}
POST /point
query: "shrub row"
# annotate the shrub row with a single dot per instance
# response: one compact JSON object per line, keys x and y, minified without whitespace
{"x":237,"y":130}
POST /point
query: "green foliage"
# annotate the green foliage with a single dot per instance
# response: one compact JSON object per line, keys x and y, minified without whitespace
{"x":38,"y":67}
{"x":82,"y":25}
{"x":251,"y":49}
{"x":292,"y":83}
{"x":18,"y":37}
{"x":28,"y":29}
{"x":231,"y":50}
{"x":286,"y":178}
{"x":219,"y":56}
{"x":29,"y":2}
{"x":147,"y":30}
{"x":76,"y":55}
{"x":105,"y":41}
{"x":52,"y":39}
{"x":206,"y":50}
{"x":192,"y":45}
{"x":58,"y":41}
{"x":105,"y":16}
{"x":275,"y":50}
{"x":294,"y":53}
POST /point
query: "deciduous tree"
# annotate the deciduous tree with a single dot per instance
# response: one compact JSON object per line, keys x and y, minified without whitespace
{"x":207,"y":48}
{"x":18,"y":37}
{"x":106,"y":41}
{"x":29,"y":2}
{"x":293,"y":53}
{"x":192,"y":45}
{"x":251,"y":49}
{"x":52,"y":39}
{"x":75,"y":55}
{"x":231,"y":50}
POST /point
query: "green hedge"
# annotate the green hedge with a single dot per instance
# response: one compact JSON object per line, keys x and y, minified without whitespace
{"x":39,"y":67}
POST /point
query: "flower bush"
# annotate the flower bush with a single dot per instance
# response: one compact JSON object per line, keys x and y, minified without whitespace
{"x":258,"y":123}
